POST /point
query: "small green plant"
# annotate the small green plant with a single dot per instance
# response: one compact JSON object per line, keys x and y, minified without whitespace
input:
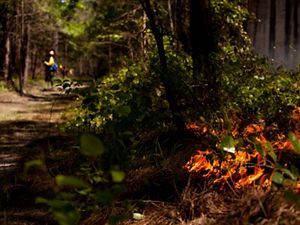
{"x":90,"y":188}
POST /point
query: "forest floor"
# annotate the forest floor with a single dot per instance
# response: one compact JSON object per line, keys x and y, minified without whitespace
{"x":29,"y":131}
{"x":158,"y":194}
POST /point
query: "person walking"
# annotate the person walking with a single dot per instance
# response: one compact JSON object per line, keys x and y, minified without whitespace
{"x":50,"y":68}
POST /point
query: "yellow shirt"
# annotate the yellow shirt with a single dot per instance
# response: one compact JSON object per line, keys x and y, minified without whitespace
{"x":51,"y":61}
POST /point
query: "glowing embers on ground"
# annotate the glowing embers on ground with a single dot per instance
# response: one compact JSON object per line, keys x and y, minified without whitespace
{"x":237,"y":169}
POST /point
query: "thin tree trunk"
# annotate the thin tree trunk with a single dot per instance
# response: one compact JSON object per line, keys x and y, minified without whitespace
{"x":288,"y":33}
{"x":22,"y":58}
{"x":144,"y":38}
{"x":33,"y":64}
{"x":272,"y":28}
{"x":180,"y":25}
{"x":171,"y":17}
{"x":56,"y":40}
{"x":7,"y":59}
{"x":295,"y":20}
{"x":24,"y":48}
{"x":26,"y":42}
{"x":165,"y":73}
{"x":5,"y":45}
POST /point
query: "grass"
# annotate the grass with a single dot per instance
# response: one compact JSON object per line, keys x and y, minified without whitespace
{"x":3,"y":87}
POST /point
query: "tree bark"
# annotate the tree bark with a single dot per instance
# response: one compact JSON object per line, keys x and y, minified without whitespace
{"x":272,"y":28}
{"x":170,"y":11}
{"x":295,"y":22}
{"x":165,"y":73}
{"x":3,"y":38}
{"x":203,"y":42}
{"x":7,"y":60}
{"x":33,"y":60}
{"x":24,"y":47}
{"x":288,"y":27}
{"x":182,"y":24}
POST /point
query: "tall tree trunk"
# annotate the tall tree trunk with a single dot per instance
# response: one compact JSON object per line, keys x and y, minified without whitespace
{"x":22,"y":58}
{"x":272,"y":28}
{"x":25,"y":53}
{"x":288,"y":26}
{"x":24,"y":47}
{"x":5,"y":43}
{"x":203,"y":41}
{"x":296,"y":24}
{"x":165,"y":75}
{"x":33,"y":64}
{"x":170,"y":11}
{"x":181,"y":25}
{"x":144,"y":38}
{"x":6,"y":65}
{"x":56,"y":40}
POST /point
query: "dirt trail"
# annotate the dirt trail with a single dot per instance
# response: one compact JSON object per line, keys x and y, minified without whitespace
{"x":28,"y":131}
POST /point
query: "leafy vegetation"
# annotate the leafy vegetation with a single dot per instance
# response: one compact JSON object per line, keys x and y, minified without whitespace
{"x":153,"y":85}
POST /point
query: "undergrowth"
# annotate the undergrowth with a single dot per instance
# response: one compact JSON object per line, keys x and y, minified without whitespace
{"x":127,"y":114}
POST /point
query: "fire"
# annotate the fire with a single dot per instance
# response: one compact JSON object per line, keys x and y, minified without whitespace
{"x":231,"y":169}
{"x":253,"y":129}
{"x":251,"y":163}
{"x":199,"y":162}
{"x":248,"y":180}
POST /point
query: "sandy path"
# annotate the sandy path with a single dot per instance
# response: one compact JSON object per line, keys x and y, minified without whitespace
{"x":28,"y":130}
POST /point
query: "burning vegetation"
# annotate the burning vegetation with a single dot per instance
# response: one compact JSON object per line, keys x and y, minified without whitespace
{"x":254,"y":156}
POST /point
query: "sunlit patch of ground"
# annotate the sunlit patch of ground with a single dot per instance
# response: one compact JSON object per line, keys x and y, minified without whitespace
{"x":46,"y":106}
{"x":28,"y":130}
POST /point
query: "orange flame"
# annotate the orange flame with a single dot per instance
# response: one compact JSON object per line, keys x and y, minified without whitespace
{"x":258,"y":172}
{"x":230,"y":169}
{"x":247,"y":165}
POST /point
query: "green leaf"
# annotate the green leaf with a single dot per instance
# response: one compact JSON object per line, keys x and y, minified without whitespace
{"x":40,"y":200}
{"x":271,"y":152}
{"x":91,"y":145}
{"x":71,"y":181}
{"x":117,"y":176}
{"x":286,"y":171}
{"x":67,"y":216}
{"x":277,"y":178}
{"x":32,"y":163}
{"x":227,"y":144}
{"x":260,"y":149}
{"x":289,"y":173}
{"x":295,"y":142}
